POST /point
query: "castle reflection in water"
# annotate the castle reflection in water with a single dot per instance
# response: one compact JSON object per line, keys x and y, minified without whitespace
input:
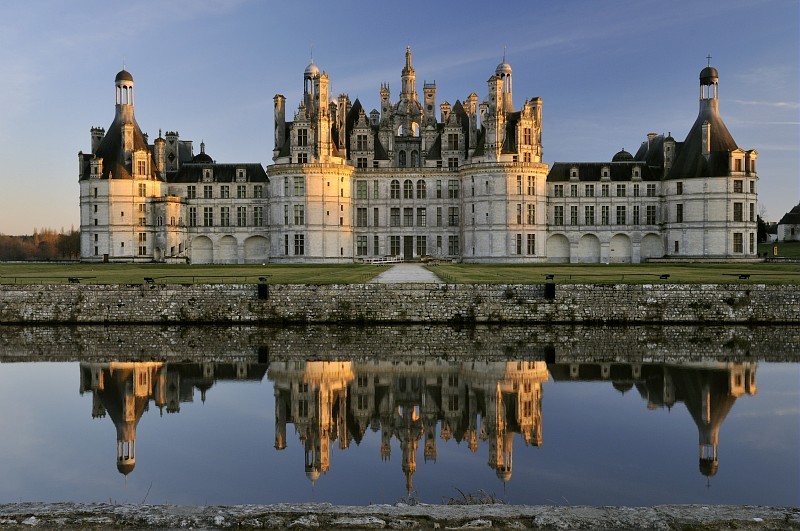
{"x":414,"y":402}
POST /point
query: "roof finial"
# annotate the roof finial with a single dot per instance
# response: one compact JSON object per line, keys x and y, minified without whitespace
{"x":709,"y":59}
{"x":504,"y":53}
{"x":312,"y":54}
{"x":123,"y":62}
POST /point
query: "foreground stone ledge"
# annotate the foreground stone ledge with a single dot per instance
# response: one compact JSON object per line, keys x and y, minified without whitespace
{"x":422,"y":516}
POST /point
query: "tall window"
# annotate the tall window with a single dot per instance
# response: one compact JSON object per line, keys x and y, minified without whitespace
{"x":299,"y":215}
{"x":394,"y":217}
{"x":519,"y":214}
{"x":526,"y":136}
{"x":402,"y":159}
{"x":621,"y":190}
{"x":408,"y":217}
{"x":738,"y":214}
{"x":225,"y":216}
{"x":208,"y":217}
{"x":375,"y":189}
{"x":241,"y":216}
{"x":192,"y":216}
{"x":573,"y":190}
{"x":518,"y":244}
{"x":225,"y":192}
{"x":452,"y":189}
{"x":621,"y":215}
{"x":679,"y":188}
{"x":519,"y":184}
{"x":422,"y":217}
{"x":651,"y":190}
{"x":452,"y":141}
{"x":452,"y":216}
{"x":361,"y":142}
{"x":636,"y":190}
{"x":438,"y":189}
{"x":299,"y":185}
{"x":635,"y":219}
{"x":679,"y":213}
{"x":361,"y":217}
{"x":588,"y":190}
{"x":452,"y":163}
{"x":142,"y":189}
{"x":394,"y":189}
{"x":299,"y":244}
{"x":604,"y":190}
{"x":191,"y":192}
{"x":394,"y":245}
{"x":573,"y":215}
{"x":258,"y":191}
{"x":361,"y":189}
{"x":650,"y":215}
{"x":558,"y":190}
{"x":361,"y":245}
{"x":531,"y":244}
{"x":302,"y":137}
{"x":558,"y":215}
{"x":241,"y":191}
{"x":422,"y":245}
{"x":588,"y":215}
{"x":752,"y":211}
{"x":605,"y":215}
{"x":452,"y":245}
{"x":258,"y":216}
{"x":531,"y":185}
{"x":531,"y":214}
{"x":438,"y":216}
{"x":738,"y":242}
{"x":208,"y":192}
{"x":422,"y":190}
{"x":408,"y":189}
{"x":376,"y":217}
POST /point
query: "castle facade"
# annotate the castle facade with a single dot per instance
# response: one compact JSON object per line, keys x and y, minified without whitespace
{"x":414,"y":179}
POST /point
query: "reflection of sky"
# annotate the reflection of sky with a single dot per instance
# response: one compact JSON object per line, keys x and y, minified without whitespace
{"x":599,"y":447}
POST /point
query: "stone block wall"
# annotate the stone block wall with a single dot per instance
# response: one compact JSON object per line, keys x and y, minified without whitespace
{"x":400,"y":303}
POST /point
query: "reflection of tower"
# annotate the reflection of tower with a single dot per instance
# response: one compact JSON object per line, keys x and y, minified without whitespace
{"x":409,"y":432}
{"x":123,"y":390}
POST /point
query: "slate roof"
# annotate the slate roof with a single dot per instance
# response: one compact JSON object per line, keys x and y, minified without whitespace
{"x":510,"y":142}
{"x":792,"y":217}
{"x":689,"y":160}
{"x":592,"y":171}
{"x":110,"y":150}
{"x":223,"y":173}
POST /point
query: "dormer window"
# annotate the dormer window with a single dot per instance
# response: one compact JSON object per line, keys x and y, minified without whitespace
{"x":637,"y":172}
{"x":604,"y":172}
{"x":208,"y":175}
{"x":573,"y":173}
{"x":241,"y":175}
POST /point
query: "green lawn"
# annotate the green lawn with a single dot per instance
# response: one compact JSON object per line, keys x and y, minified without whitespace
{"x":785,"y":249}
{"x":618,"y":273}
{"x":38,"y":273}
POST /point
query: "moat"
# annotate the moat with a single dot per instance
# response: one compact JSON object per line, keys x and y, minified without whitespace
{"x":527,"y":415}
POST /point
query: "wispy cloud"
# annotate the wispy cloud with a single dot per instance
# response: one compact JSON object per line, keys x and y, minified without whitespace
{"x":779,"y":104}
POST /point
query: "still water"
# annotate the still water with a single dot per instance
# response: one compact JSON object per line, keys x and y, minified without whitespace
{"x":269,"y":423}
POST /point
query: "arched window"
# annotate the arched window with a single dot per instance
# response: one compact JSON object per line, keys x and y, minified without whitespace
{"x":414,"y":158}
{"x":402,"y":159}
{"x":422,"y":191}
{"x":394,"y":189}
{"x":408,"y":189}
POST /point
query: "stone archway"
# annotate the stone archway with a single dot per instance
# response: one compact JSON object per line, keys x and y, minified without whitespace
{"x":558,"y":249}
{"x":651,"y":247}
{"x":227,"y":250}
{"x":620,"y":251}
{"x":588,"y":249}
{"x":255,"y":250}
{"x":202,"y":250}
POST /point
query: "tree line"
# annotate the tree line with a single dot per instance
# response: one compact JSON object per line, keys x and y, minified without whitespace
{"x":44,"y":244}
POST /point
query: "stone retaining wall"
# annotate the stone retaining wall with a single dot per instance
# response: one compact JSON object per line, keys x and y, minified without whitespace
{"x":400,"y":303}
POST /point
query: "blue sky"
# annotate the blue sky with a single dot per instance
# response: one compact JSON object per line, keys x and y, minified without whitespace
{"x":609,"y":72}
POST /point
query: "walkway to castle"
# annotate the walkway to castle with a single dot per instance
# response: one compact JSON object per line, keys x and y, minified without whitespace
{"x":406,"y":273}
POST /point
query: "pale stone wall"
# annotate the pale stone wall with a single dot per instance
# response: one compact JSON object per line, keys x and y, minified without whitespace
{"x":400,"y":303}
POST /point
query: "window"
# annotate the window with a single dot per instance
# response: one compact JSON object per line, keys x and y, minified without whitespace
{"x":376,"y":245}
{"x":588,"y":215}
{"x":361,"y":162}
{"x":208,"y":217}
{"x":402,"y":159}
{"x":438,"y":189}
{"x":604,"y":190}
{"x":518,"y":244}
{"x":361,"y":245}
{"x":439,"y":245}
{"x":452,"y":245}
{"x":737,"y":165}
{"x":679,"y":213}
{"x":241,"y":216}
{"x":621,"y":215}
{"x":142,"y":250}
{"x":286,"y":189}
{"x":531,"y":214}
{"x":422,"y":217}
{"x":285,"y":214}
{"x":531,"y":244}
{"x":375,"y":217}
{"x":519,"y":214}
{"x":438,"y":216}
{"x":394,"y":217}
{"x":225,"y":217}
{"x":636,"y":190}
{"x":375,"y":189}
{"x":258,"y":191}
{"x":142,"y":237}
{"x":738,"y":186}
{"x":241,"y":174}
{"x":299,"y":185}
{"x":408,"y":189}
{"x":526,"y":136}
{"x":558,"y":190}
{"x":604,"y":215}
{"x":531,"y":185}
{"x":621,"y":190}
{"x":394,"y":189}
{"x":361,"y":142}
{"x":408,"y":217}
{"x":258,"y":216}
{"x":526,"y":157}
{"x":573,"y":190}
{"x":650,"y":215}
{"x":142,"y":189}
{"x":286,"y":244}
{"x":738,"y":214}
{"x":394,"y":245}
{"x":225,"y":192}
{"x":635,"y":219}
{"x":651,"y":190}
{"x":452,"y":141}
{"x":422,"y":245}
{"x":422,"y":190}
{"x":361,"y":217}
{"x":752,"y":211}
{"x":299,"y":215}
{"x":302,"y":158}
{"x":573,"y":215}
{"x":452,"y":216}
{"x":752,"y":187}
{"x":302,"y":138}
{"x":558,"y":215}
{"x":452,"y":189}
{"x":752,"y":243}
{"x":452,"y":163}
{"x":208,"y":175}
{"x":208,"y":192}
{"x":192,"y":216}
{"x":299,"y":244}
{"x":588,"y":190}
{"x":241,"y":192}
{"x":738,"y":242}
{"x":361,"y":189}
{"x":519,"y":184}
